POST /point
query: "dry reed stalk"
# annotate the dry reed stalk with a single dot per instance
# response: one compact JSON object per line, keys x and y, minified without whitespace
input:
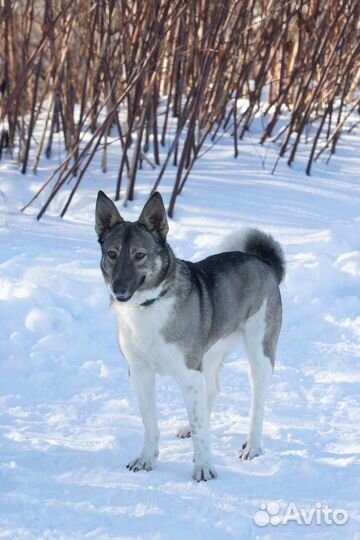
{"x":135,"y":64}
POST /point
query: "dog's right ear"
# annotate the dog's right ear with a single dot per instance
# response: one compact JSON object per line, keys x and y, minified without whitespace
{"x":106,"y":215}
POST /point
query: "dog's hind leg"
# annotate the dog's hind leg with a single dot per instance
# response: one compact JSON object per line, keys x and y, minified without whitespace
{"x":260,"y":355}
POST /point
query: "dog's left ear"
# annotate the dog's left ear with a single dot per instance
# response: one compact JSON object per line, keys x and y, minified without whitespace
{"x":153,"y":216}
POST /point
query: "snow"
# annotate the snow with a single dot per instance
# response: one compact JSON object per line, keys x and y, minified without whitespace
{"x":68,"y":418}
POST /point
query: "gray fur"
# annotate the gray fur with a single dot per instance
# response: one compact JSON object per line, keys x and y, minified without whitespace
{"x":233,"y":293}
{"x":258,"y":243}
{"x":214,"y":297}
{"x":220,"y":292}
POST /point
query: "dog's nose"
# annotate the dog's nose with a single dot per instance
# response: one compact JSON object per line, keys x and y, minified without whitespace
{"x":121,"y":293}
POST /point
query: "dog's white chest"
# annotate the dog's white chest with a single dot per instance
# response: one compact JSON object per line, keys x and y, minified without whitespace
{"x":140,"y":333}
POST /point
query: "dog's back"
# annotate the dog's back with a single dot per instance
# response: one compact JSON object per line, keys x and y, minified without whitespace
{"x":216,"y":296}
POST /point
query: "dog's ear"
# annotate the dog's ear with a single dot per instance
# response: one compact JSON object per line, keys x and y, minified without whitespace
{"x":153,"y":216}
{"x":106,"y":214}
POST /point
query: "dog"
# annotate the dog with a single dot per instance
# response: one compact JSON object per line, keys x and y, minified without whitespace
{"x":180,"y":318}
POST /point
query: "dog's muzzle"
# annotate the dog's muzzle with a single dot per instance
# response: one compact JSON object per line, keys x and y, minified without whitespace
{"x":123,"y":297}
{"x":123,"y":294}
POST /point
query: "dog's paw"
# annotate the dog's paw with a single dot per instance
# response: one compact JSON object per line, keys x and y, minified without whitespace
{"x":249,"y":451}
{"x":140,"y":464}
{"x":203,"y":473}
{"x":184,"y":433}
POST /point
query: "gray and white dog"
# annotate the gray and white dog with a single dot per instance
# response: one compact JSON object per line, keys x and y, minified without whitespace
{"x":180,"y":318}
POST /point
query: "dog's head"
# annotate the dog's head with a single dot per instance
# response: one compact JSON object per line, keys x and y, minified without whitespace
{"x":135,"y":255}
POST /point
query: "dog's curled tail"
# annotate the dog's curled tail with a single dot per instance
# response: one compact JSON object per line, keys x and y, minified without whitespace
{"x":255,"y":242}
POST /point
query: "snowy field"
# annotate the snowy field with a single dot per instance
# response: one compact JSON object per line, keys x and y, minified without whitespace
{"x":68,"y":418}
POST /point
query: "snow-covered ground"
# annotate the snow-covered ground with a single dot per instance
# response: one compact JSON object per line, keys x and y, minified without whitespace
{"x":69,"y":420}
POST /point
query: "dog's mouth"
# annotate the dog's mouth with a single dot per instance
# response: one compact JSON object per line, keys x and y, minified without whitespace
{"x":127,"y":295}
{"x":123,"y":297}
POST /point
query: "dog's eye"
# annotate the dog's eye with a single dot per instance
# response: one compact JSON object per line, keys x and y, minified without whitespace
{"x":139,"y":255}
{"x":111,"y":254}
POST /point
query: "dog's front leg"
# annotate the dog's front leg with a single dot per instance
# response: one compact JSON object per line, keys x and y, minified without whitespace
{"x":193,"y":387}
{"x":143,"y":381}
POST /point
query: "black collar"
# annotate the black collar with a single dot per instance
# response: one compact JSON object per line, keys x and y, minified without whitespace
{"x":152,"y":300}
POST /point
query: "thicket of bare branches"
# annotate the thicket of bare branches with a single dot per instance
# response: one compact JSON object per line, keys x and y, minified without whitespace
{"x":133,"y":64}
